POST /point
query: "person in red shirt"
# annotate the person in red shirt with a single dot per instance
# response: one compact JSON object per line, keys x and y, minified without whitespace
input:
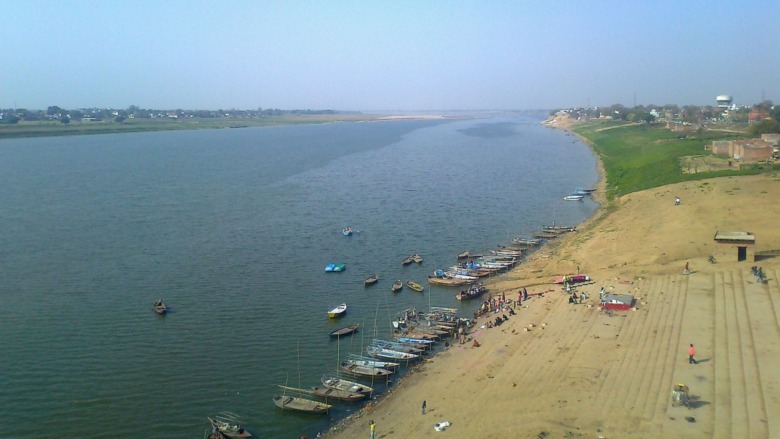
{"x":691,"y":353}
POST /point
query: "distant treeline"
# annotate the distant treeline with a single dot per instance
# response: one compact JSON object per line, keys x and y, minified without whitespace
{"x":15,"y":115}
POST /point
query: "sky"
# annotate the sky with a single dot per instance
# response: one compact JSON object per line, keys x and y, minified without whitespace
{"x":423,"y":55}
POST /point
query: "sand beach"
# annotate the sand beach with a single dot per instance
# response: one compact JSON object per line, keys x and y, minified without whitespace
{"x":560,"y":370}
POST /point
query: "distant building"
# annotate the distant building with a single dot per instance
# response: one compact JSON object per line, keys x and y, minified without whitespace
{"x":745,"y":150}
{"x":756,"y":115}
{"x":724,"y":101}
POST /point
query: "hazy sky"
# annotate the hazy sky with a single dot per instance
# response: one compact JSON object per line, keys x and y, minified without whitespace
{"x":390,"y":55}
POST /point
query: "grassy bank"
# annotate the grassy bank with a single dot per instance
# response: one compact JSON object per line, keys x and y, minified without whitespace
{"x":640,"y":156}
{"x":55,"y":128}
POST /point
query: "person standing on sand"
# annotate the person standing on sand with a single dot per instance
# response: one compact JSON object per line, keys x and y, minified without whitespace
{"x":423,"y":407}
{"x":686,"y":271}
{"x":691,"y":353}
{"x":373,"y":429}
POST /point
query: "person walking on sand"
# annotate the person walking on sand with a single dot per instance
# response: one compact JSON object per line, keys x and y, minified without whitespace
{"x":691,"y":353}
{"x":686,"y":270}
{"x":423,"y":407}
{"x":373,"y":429}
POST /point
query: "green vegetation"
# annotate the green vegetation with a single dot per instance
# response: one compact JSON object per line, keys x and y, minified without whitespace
{"x":643,"y":156}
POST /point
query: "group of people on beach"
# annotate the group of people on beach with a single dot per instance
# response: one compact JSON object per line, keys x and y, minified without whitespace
{"x":758,"y":272}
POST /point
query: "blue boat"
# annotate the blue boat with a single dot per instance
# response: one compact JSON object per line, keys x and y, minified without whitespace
{"x":332,"y":267}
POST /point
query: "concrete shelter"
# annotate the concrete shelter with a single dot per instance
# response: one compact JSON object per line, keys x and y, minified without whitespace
{"x":735,"y":246}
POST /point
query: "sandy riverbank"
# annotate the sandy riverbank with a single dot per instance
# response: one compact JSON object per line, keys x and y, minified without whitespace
{"x":581,"y":373}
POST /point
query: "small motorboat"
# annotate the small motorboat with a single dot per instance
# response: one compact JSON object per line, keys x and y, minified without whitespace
{"x":464,"y":255}
{"x":160,"y":307}
{"x":415,"y":286}
{"x":371,"y":280}
{"x":417,"y":258}
{"x":407,"y":260}
{"x":338,"y":311}
{"x":573,"y":197}
{"x":397,"y":286}
{"x":347,"y":231}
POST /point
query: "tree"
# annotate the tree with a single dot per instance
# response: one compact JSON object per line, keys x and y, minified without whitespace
{"x":766,"y":126}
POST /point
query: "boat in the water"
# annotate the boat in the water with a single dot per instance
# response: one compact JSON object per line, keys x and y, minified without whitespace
{"x":338,"y":311}
{"x":473,"y":292}
{"x":371,"y":280}
{"x":439,"y":277}
{"x":347,"y":330}
{"x":343,"y":395}
{"x":368,"y":371}
{"x":347,"y":231}
{"x":333,"y":267}
{"x":227,"y":424}
{"x":389,"y":354}
{"x":369,"y":361}
{"x":573,"y":197}
{"x":397,"y":286}
{"x":160,"y":307}
{"x":300,"y":404}
{"x":335,"y":382}
{"x":415,"y":286}
{"x":417,"y":258}
{"x":407,"y":260}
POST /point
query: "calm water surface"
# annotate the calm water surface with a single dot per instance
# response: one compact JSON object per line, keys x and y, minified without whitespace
{"x":233,"y":228}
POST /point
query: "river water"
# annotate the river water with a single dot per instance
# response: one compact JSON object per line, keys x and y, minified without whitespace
{"x":233,"y":228}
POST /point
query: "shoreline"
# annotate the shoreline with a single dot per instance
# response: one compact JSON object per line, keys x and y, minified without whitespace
{"x":561,"y":370}
{"x":543,"y":252}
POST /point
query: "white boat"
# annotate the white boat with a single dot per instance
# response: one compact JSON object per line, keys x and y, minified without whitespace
{"x":379,"y":352}
{"x":364,"y":361}
{"x":335,"y":382}
{"x":338,"y":311}
{"x":573,"y":197}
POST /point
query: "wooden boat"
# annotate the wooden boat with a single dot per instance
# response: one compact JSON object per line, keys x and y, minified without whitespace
{"x":464,"y":255}
{"x":397,"y":286}
{"x":407,"y":260}
{"x":338,"y":311}
{"x":371,"y":280}
{"x":571,"y":278}
{"x":397,"y":346}
{"x":368,"y":371}
{"x":227,"y":424}
{"x":160,"y":307}
{"x":415,"y":286}
{"x":472,"y":293}
{"x":368,"y":361}
{"x":446,"y":281}
{"x":334,"y":382}
{"x":417,"y":258}
{"x":347,"y":330}
{"x":380,"y":352}
{"x":300,"y":404}
{"x":344,"y":395}
{"x":347,"y":231}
